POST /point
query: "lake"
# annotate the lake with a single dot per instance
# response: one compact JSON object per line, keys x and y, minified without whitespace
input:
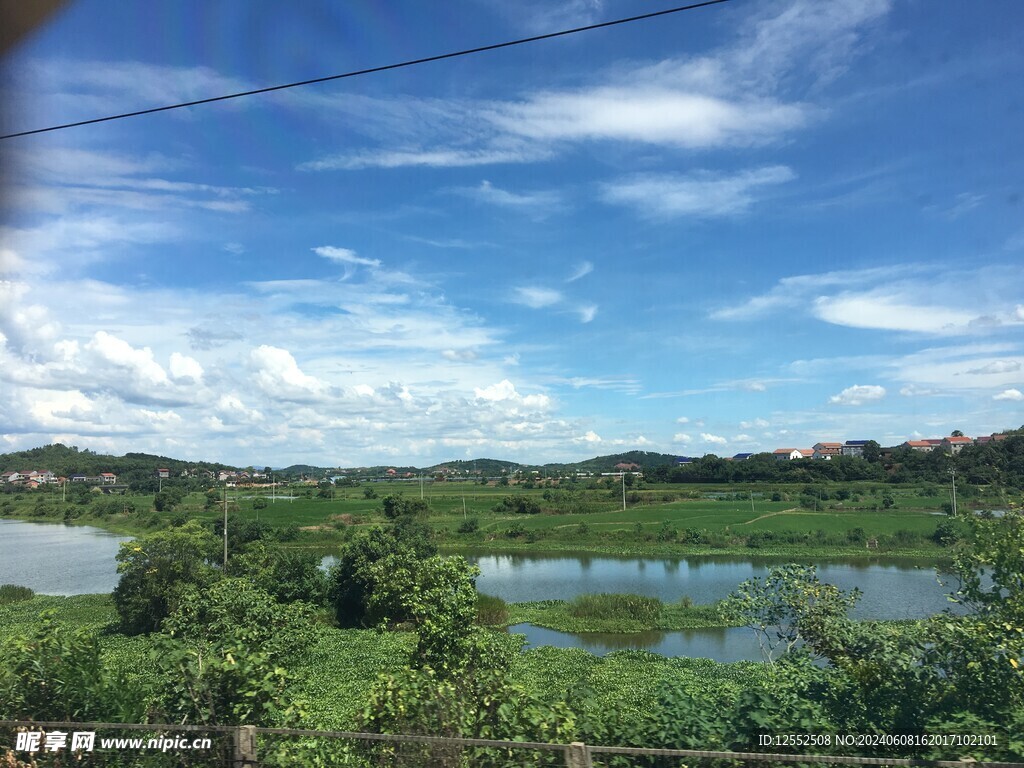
{"x":58,"y":559}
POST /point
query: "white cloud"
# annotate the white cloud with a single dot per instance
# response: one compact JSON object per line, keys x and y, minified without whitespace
{"x":682,"y":438}
{"x":278,"y":374}
{"x":504,"y":392}
{"x":590,"y":438}
{"x":758,"y":423}
{"x":713,"y":439}
{"x":138,"y":362}
{"x":743,"y":438}
{"x":683,"y":420}
{"x":536,"y":297}
{"x":345,"y":256}
{"x":184,"y":367}
{"x":1014,"y":395}
{"x":703,"y":194}
{"x":889,"y":312}
{"x":587,"y":312}
{"x":858,"y":394}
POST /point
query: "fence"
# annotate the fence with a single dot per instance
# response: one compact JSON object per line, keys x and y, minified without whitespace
{"x":247,"y":746}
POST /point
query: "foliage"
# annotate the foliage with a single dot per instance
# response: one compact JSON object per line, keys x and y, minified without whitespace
{"x":395,"y":506}
{"x":287,"y":575}
{"x":14,"y":593}
{"x":155,"y":568}
{"x":520,"y":505}
{"x":55,"y":672}
{"x":436,"y":597}
{"x":788,"y":607}
{"x":350,"y":581}
{"x":223,"y":658}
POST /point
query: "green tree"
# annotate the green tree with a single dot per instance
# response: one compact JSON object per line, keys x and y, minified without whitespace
{"x":286,"y":574}
{"x":155,"y":568}
{"x":224,"y":657}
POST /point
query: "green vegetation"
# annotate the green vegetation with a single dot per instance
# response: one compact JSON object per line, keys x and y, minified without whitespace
{"x":228,"y":651}
{"x":13,"y":593}
{"x":561,"y":615}
{"x":604,"y":606}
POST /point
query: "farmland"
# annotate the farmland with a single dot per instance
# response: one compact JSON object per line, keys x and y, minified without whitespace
{"x":465,"y":516}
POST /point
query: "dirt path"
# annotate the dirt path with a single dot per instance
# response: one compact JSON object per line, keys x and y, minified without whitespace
{"x":791,"y":511}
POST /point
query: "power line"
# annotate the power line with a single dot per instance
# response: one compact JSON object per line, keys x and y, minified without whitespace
{"x":371,"y":70}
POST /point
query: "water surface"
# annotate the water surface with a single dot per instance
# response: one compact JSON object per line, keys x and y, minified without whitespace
{"x":58,"y":559}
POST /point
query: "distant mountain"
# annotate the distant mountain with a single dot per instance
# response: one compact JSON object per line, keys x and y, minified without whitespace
{"x":136,"y":467}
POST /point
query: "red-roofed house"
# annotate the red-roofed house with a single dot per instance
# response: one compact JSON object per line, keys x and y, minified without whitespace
{"x":108,"y":478}
{"x":955,"y":444}
{"x":827,"y":450}
{"x":163,"y":473}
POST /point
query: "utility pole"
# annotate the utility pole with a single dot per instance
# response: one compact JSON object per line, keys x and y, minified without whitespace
{"x":225,"y":526}
{"x":421,"y":485}
{"x":751,"y":502}
{"x":952,"y":473}
{"x":463,"y":506}
{"x":273,"y":489}
{"x":623,"y":490}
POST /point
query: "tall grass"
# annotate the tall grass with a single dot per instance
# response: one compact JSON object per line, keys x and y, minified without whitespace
{"x":490,"y":610}
{"x":13,"y":593}
{"x":611,"y":606}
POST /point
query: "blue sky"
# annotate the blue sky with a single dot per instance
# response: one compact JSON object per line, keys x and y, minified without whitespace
{"x":751,"y":226}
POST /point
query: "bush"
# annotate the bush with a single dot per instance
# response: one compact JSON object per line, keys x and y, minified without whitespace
{"x":470,"y":525}
{"x":612,"y":606}
{"x":13,"y":593}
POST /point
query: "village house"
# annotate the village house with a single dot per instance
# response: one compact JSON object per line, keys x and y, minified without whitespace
{"x":854,"y":447}
{"x":788,"y":454}
{"x":955,"y":444}
{"x":826,"y":451}
{"x":921,"y":446}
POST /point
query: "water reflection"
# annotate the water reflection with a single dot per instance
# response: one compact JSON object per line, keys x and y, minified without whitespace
{"x":721,"y":644}
{"x":892,"y":589}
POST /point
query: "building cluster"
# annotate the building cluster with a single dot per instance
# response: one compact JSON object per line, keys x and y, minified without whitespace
{"x":35,"y":478}
{"x":826,"y":451}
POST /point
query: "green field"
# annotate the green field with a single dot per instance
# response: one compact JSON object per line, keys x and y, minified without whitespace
{"x":659,"y":519}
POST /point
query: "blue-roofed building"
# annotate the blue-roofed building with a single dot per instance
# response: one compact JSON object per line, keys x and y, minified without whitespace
{"x":742,"y":456}
{"x":684,"y":460}
{"x":854,"y":447}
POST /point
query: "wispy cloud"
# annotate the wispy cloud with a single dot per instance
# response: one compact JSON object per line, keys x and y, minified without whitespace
{"x":582,"y":269}
{"x":739,"y":95}
{"x":702,"y":195}
{"x":345,"y":256}
{"x":536,"y":297}
{"x":907,"y":298}
{"x":542,"y":202}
